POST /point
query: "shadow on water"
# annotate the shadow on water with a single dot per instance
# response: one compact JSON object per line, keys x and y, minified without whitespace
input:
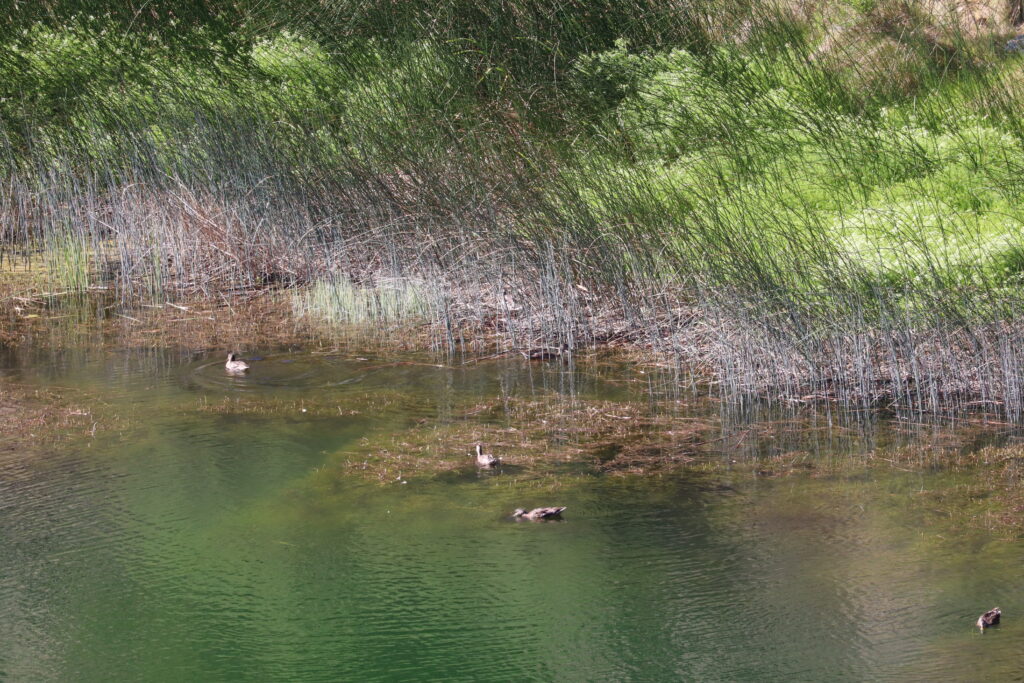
{"x":321,"y":518}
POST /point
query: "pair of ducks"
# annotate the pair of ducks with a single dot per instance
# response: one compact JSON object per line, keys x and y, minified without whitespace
{"x":482,"y":459}
{"x":487,"y":460}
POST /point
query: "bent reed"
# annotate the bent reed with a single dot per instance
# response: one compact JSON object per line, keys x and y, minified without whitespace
{"x":806,"y":202}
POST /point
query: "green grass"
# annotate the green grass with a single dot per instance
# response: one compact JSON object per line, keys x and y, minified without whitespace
{"x":881,"y":185}
{"x":386,"y":303}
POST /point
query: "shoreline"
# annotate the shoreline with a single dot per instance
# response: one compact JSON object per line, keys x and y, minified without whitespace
{"x":938,"y":373}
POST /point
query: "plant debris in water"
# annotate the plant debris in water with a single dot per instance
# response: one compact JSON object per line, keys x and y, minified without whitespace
{"x":33,"y":421}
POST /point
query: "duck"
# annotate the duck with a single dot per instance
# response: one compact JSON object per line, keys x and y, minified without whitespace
{"x":235,"y":365}
{"x":486,"y":459}
{"x":989,"y":618}
{"x":538,"y":514}
{"x":548,"y":353}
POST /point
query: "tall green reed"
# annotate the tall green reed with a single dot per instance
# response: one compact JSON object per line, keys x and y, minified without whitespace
{"x":806,"y":214}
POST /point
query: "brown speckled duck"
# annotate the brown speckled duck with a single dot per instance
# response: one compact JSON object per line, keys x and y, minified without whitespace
{"x":235,"y":365}
{"x":485,"y":459}
{"x":989,"y":618}
{"x":538,"y":514}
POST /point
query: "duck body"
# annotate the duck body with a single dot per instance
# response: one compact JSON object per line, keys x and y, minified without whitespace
{"x":548,"y":353}
{"x":538,"y":514}
{"x":989,"y":618}
{"x":235,"y":365}
{"x":486,"y":459}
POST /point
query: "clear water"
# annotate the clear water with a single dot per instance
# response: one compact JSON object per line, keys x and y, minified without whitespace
{"x":193,"y":544}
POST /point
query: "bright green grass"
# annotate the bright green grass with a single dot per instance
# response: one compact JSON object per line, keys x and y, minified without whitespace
{"x":681,"y":157}
{"x":398,"y":301}
{"x":730,"y":151}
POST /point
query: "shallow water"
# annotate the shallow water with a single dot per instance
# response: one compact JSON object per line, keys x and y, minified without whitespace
{"x":212,"y":533}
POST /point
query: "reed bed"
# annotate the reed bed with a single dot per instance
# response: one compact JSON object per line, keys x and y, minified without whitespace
{"x":810,"y":203}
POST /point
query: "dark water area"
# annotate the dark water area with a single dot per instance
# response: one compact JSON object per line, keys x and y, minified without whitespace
{"x":213,"y":531}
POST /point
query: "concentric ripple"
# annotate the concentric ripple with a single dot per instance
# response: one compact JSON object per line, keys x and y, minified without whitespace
{"x":271,"y":372}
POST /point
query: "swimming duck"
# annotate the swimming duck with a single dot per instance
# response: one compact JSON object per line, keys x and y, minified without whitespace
{"x":235,"y":365}
{"x":537,"y":514}
{"x":486,"y":459}
{"x":989,"y":618}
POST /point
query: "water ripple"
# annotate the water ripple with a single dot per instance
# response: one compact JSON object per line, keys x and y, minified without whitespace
{"x":198,"y":546}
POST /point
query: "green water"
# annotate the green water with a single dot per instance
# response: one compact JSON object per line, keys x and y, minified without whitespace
{"x":215,"y":531}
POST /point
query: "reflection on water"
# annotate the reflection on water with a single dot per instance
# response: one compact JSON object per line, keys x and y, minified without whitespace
{"x":203,"y":545}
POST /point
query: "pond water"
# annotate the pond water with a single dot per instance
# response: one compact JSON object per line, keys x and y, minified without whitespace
{"x":220,"y":528}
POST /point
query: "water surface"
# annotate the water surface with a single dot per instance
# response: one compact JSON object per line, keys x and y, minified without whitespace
{"x":213,"y":534}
